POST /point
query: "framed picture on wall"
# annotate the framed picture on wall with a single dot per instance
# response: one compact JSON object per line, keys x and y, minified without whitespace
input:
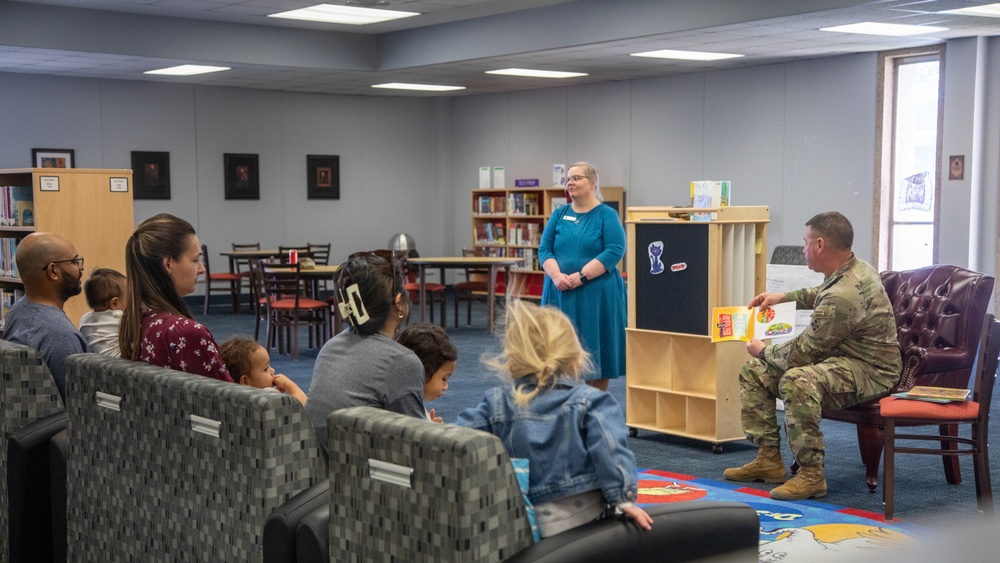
{"x":323,"y":173}
{"x":52,"y":158}
{"x":242,"y":176}
{"x":151,"y":175}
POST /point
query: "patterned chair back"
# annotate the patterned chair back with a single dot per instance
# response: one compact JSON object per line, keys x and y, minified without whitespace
{"x":166,"y":466}
{"x":27,"y":393}
{"x":403,"y":489}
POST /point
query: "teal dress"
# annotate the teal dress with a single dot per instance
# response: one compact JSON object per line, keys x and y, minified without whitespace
{"x":597,"y":308}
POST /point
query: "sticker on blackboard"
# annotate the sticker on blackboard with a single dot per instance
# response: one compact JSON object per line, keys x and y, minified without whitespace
{"x":655,"y":251}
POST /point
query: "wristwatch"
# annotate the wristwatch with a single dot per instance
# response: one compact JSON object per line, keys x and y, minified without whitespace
{"x":583,"y":278}
{"x":761,"y":355}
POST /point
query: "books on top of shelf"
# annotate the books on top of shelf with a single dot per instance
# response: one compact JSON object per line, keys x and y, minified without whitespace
{"x":558,"y":175}
{"x":709,"y":193}
{"x":498,"y":177}
{"x":484,"y":177}
{"x":934,"y":394}
{"x":740,"y":323}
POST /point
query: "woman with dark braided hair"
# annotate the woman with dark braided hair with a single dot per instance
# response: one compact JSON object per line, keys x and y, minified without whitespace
{"x":364,"y":365}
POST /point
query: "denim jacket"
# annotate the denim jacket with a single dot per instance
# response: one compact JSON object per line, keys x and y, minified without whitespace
{"x":573,"y":435}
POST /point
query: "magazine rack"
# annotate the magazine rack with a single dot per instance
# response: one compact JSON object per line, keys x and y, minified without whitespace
{"x":678,"y":381}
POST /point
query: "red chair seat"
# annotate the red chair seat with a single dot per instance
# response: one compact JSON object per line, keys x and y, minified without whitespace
{"x":427,"y":286}
{"x":225,"y":277}
{"x":945,"y":412}
{"x":303,"y":304}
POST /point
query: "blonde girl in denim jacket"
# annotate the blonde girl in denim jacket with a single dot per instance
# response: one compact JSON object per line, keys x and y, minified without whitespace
{"x":573,"y":435}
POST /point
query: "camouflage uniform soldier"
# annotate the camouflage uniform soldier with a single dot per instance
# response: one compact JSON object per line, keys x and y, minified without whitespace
{"x":849,"y":354}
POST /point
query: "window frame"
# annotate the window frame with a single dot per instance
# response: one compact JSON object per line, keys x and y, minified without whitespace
{"x":887,"y":81}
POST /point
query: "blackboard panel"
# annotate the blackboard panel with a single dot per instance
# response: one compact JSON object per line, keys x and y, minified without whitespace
{"x":672,"y":301}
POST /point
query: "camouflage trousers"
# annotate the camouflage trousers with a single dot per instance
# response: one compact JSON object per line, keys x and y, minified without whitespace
{"x":807,"y":391}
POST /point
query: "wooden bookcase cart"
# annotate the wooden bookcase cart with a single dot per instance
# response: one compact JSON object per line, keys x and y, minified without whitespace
{"x":90,"y":207}
{"x":678,"y":381}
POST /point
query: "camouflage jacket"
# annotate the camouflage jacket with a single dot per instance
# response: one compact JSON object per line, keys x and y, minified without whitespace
{"x":852,"y":317}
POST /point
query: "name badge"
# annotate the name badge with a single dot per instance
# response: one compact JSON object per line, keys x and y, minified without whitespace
{"x":569,"y":218}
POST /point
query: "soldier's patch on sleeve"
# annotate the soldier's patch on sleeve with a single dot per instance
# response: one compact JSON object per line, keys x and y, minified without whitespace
{"x":823,"y":318}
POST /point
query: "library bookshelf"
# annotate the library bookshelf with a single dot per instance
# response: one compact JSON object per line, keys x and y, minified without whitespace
{"x":510,"y":221}
{"x":87,"y":206}
{"x":678,"y":381}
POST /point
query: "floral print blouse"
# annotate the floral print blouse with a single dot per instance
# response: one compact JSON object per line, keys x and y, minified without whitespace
{"x":181,"y":343}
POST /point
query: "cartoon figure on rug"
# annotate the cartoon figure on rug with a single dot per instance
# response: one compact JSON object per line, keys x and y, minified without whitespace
{"x":655,"y":251}
{"x":825,"y":542}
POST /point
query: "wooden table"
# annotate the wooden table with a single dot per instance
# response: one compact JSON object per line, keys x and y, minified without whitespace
{"x":494,"y":263}
{"x":253,"y":254}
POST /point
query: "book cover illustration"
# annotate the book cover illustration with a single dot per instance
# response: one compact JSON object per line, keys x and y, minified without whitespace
{"x":740,"y":323}
{"x":935,"y":394}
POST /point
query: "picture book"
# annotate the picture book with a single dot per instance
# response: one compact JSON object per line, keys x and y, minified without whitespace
{"x":740,"y":323}
{"x":934,"y":394}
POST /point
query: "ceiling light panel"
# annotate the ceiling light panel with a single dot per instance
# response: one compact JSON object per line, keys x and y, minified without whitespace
{"x":686,"y":55}
{"x":533,"y":73}
{"x":886,"y":29}
{"x":986,"y":11}
{"x":350,"y":15}
{"x":187,"y":70}
{"x":419,"y":87}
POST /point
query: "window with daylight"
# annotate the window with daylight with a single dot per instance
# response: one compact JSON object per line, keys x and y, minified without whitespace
{"x":908,"y":157}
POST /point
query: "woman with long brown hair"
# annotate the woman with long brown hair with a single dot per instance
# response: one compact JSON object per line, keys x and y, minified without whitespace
{"x":162,"y":264}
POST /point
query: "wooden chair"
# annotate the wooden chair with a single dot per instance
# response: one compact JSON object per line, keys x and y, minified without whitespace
{"x":288,"y":306}
{"x":434,"y":291}
{"x":321,"y":255}
{"x":219,"y":282}
{"x":257,"y":297}
{"x":241,"y":266}
{"x":938,"y":312}
{"x":976,"y":412}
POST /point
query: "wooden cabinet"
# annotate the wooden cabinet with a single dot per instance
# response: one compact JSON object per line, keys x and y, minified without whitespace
{"x":509,"y":222}
{"x":87,"y":206}
{"x":678,"y":381}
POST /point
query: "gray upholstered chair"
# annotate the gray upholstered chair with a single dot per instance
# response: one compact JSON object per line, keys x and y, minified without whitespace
{"x":28,"y":394}
{"x":403,"y":489}
{"x":168,"y":466}
{"x":788,"y":255}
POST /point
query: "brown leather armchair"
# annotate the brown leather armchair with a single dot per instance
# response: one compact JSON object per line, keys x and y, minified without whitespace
{"x":939,"y":315}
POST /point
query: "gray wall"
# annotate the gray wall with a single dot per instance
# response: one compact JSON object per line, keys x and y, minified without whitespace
{"x":798,"y":137}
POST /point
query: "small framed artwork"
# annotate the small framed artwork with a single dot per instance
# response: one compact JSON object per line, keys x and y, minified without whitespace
{"x":150,"y":175}
{"x":323,"y":172}
{"x":242,"y":176}
{"x":956,"y":167}
{"x":52,"y":158}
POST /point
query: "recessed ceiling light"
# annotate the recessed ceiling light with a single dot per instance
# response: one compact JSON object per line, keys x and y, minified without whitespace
{"x":187,"y":70}
{"x":685,"y":55}
{"x":889,"y":29}
{"x":422,"y":87}
{"x":536,"y":73}
{"x":328,"y":13}
{"x":986,"y":11}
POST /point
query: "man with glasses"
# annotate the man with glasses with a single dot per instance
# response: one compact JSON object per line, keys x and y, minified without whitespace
{"x":52,"y":272}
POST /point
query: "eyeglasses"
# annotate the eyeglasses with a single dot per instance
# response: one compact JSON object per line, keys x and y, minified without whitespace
{"x":78,"y":261}
{"x":575,"y":179}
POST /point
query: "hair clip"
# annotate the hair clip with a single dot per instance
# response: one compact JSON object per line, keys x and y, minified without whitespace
{"x":349,"y":308}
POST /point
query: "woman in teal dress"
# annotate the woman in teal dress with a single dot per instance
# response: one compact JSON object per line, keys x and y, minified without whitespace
{"x":580,"y":249}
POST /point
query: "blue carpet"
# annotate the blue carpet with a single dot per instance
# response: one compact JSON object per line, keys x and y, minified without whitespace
{"x":789,"y":531}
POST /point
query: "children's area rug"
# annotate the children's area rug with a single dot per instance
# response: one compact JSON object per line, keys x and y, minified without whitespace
{"x":789,"y":531}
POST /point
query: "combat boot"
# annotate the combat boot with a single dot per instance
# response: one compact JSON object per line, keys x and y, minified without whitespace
{"x":767,"y":467}
{"x":807,"y":483}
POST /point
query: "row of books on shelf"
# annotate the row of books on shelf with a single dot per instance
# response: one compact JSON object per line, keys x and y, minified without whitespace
{"x":523,"y":204}
{"x":7,"y":298}
{"x":518,"y":234}
{"x":491,"y":205}
{"x":530,"y":258}
{"x":16,"y":206}
{"x":8,"y":267}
